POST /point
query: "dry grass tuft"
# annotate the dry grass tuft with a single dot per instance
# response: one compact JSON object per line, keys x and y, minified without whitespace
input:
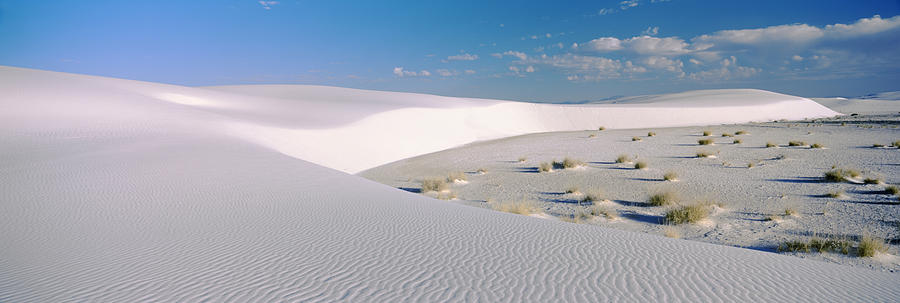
{"x":687,"y":214}
{"x":704,"y":154}
{"x":598,"y":210}
{"x":516,"y":207}
{"x":456,"y":177}
{"x":672,"y":231}
{"x":737,"y":141}
{"x":601,"y":128}
{"x":670,"y":176}
{"x":872,"y":180}
{"x":707,"y":133}
{"x":790,"y":211}
{"x":840,"y":174}
{"x":876,"y":145}
{"x":835,"y":194}
{"x":870,"y":246}
{"x":796,"y":143}
{"x":727,"y":135}
{"x":651,"y":134}
{"x":770,"y":145}
{"x":636,"y":139}
{"x":740,"y":132}
{"x":705,"y":141}
{"x":640,"y":165}
{"x":434,"y":185}
{"x":662,"y":198}
{"x":545,"y":167}
{"x":568,"y":163}
{"x":592,"y":136}
{"x":816,"y":145}
{"x":895,"y":144}
{"x":593,"y":196}
{"x":573,"y":190}
{"x":751,"y":165}
{"x":893,"y":190}
{"x":522,"y":159}
{"x":623,"y":159}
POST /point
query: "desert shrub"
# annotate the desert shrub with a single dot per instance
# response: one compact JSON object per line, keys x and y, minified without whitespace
{"x":545,"y":167}
{"x":670,"y":176}
{"x":601,"y":128}
{"x":434,"y":184}
{"x":662,"y":198}
{"x":770,"y":145}
{"x":651,"y":134}
{"x":793,"y":246}
{"x":871,"y":180}
{"x":816,"y":145}
{"x":790,"y":211}
{"x":636,"y":139}
{"x":740,"y":132}
{"x":445,"y":195}
{"x":796,"y":143}
{"x":704,"y":154}
{"x":727,"y":135}
{"x":876,"y":145}
{"x":592,"y":196}
{"x":893,"y":190}
{"x":751,"y":165}
{"x":687,"y":214}
{"x":572,"y":190}
{"x":737,"y":141}
{"x":705,"y":141}
{"x":835,"y":194}
{"x":522,"y":159}
{"x":707,"y":133}
{"x":623,"y":159}
{"x":640,"y":165}
{"x":895,"y":143}
{"x":456,"y":177}
{"x":598,"y":210}
{"x":569,"y":163}
{"x":671,"y":231}
{"x":592,"y":136}
{"x":840,"y":174}
{"x":869,"y":246}
{"x":517,"y":207}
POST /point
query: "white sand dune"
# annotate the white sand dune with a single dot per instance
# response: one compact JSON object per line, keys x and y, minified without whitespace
{"x":126,"y":191}
{"x":880,"y":103}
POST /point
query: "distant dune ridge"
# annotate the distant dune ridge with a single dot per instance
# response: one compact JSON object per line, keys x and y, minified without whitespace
{"x":124,"y":191}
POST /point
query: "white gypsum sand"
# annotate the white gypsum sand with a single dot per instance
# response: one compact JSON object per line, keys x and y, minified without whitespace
{"x":124,"y":191}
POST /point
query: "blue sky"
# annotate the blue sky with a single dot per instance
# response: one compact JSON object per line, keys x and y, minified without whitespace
{"x":535,"y":51}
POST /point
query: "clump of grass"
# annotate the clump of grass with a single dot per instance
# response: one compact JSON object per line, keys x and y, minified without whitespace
{"x":816,"y":145}
{"x":601,"y":128}
{"x":640,"y":165}
{"x":704,"y":154}
{"x":671,"y":231}
{"x":751,"y":165}
{"x":772,"y":218}
{"x":598,"y":210}
{"x":482,"y":171}
{"x":796,"y":143}
{"x":516,"y":207}
{"x":545,"y":167}
{"x":592,"y":136}
{"x":636,"y":139}
{"x":705,"y":141}
{"x":592,"y":196}
{"x":793,"y":246}
{"x":840,"y":174}
{"x":456,"y":177}
{"x":770,"y":145}
{"x":876,"y":145}
{"x":737,"y":141}
{"x":707,"y":133}
{"x":445,"y":195}
{"x":434,"y":185}
{"x":893,"y":190}
{"x":895,"y":144}
{"x":835,"y":194}
{"x":572,"y":190}
{"x":727,"y":135}
{"x":522,"y":159}
{"x":670,"y":176}
{"x":651,"y":134}
{"x":740,"y":132}
{"x":663,"y":198}
{"x":871,"y":180}
{"x":816,"y":243}
{"x":687,"y":214}
{"x":869,"y":246}
{"x":568,"y":163}
{"x":623,"y":159}
{"x":790,"y":211}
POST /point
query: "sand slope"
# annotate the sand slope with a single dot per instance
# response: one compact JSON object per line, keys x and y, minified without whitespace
{"x":123,"y":191}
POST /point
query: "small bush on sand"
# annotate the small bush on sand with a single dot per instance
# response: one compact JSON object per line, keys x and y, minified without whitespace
{"x":751,"y":165}
{"x":672,"y":231}
{"x":434,"y":184}
{"x":623,"y":159}
{"x":651,"y":134}
{"x":895,"y":144}
{"x":456,"y":177}
{"x":707,"y":133}
{"x":572,"y":190}
{"x":704,"y":154}
{"x":663,"y":198}
{"x":871,"y":180}
{"x":870,"y":246}
{"x":568,"y":163}
{"x":640,"y":165}
{"x":816,"y":145}
{"x":545,"y":167}
{"x":796,"y":143}
{"x":770,"y":145}
{"x":876,"y":145}
{"x":592,"y":196}
{"x":636,"y":139}
{"x":445,"y":195}
{"x":522,"y":159}
{"x":670,"y":176}
{"x":598,"y":210}
{"x":790,"y":211}
{"x":737,"y":141}
{"x":592,"y":136}
{"x":893,"y":190}
{"x":687,"y":214}
{"x":517,"y":207}
{"x":793,"y":246}
{"x":740,"y":132}
{"x":840,"y":174}
{"x":705,"y":141}
{"x":817,"y":244}
{"x":601,"y":128}
{"x":835,"y":194}
{"x":727,"y":135}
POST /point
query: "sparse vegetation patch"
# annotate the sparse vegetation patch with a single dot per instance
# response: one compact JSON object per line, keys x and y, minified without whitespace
{"x":705,"y":141}
{"x":840,"y":174}
{"x":663,"y":198}
{"x":687,"y":214}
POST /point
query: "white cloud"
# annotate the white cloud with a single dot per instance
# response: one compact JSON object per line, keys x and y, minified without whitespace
{"x":446,"y":72}
{"x":862,"y":27}
{"x":520,"y":55}
{"x":695,"y":61}
{"x":400,"y":72}
{"x":801,"y":33}
{"x":605,"y":11}
{"x":268,"y":4}
{"x":424,"y":73}
{"x":514,"y":69}
{"x":628,"y":4}
{"x":663,"y":63}
{"x":463,"y":57}
{"x":797,"y":58}
{"x":529,"y":69}
{"x":470,"y":72}
{"x":657,"y":46}
{"x":651,"y":31}
{"x":729,"y":70}
{"x":603,"y":44}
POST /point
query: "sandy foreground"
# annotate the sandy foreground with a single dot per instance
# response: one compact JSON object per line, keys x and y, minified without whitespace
{"x":123,"y":191}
